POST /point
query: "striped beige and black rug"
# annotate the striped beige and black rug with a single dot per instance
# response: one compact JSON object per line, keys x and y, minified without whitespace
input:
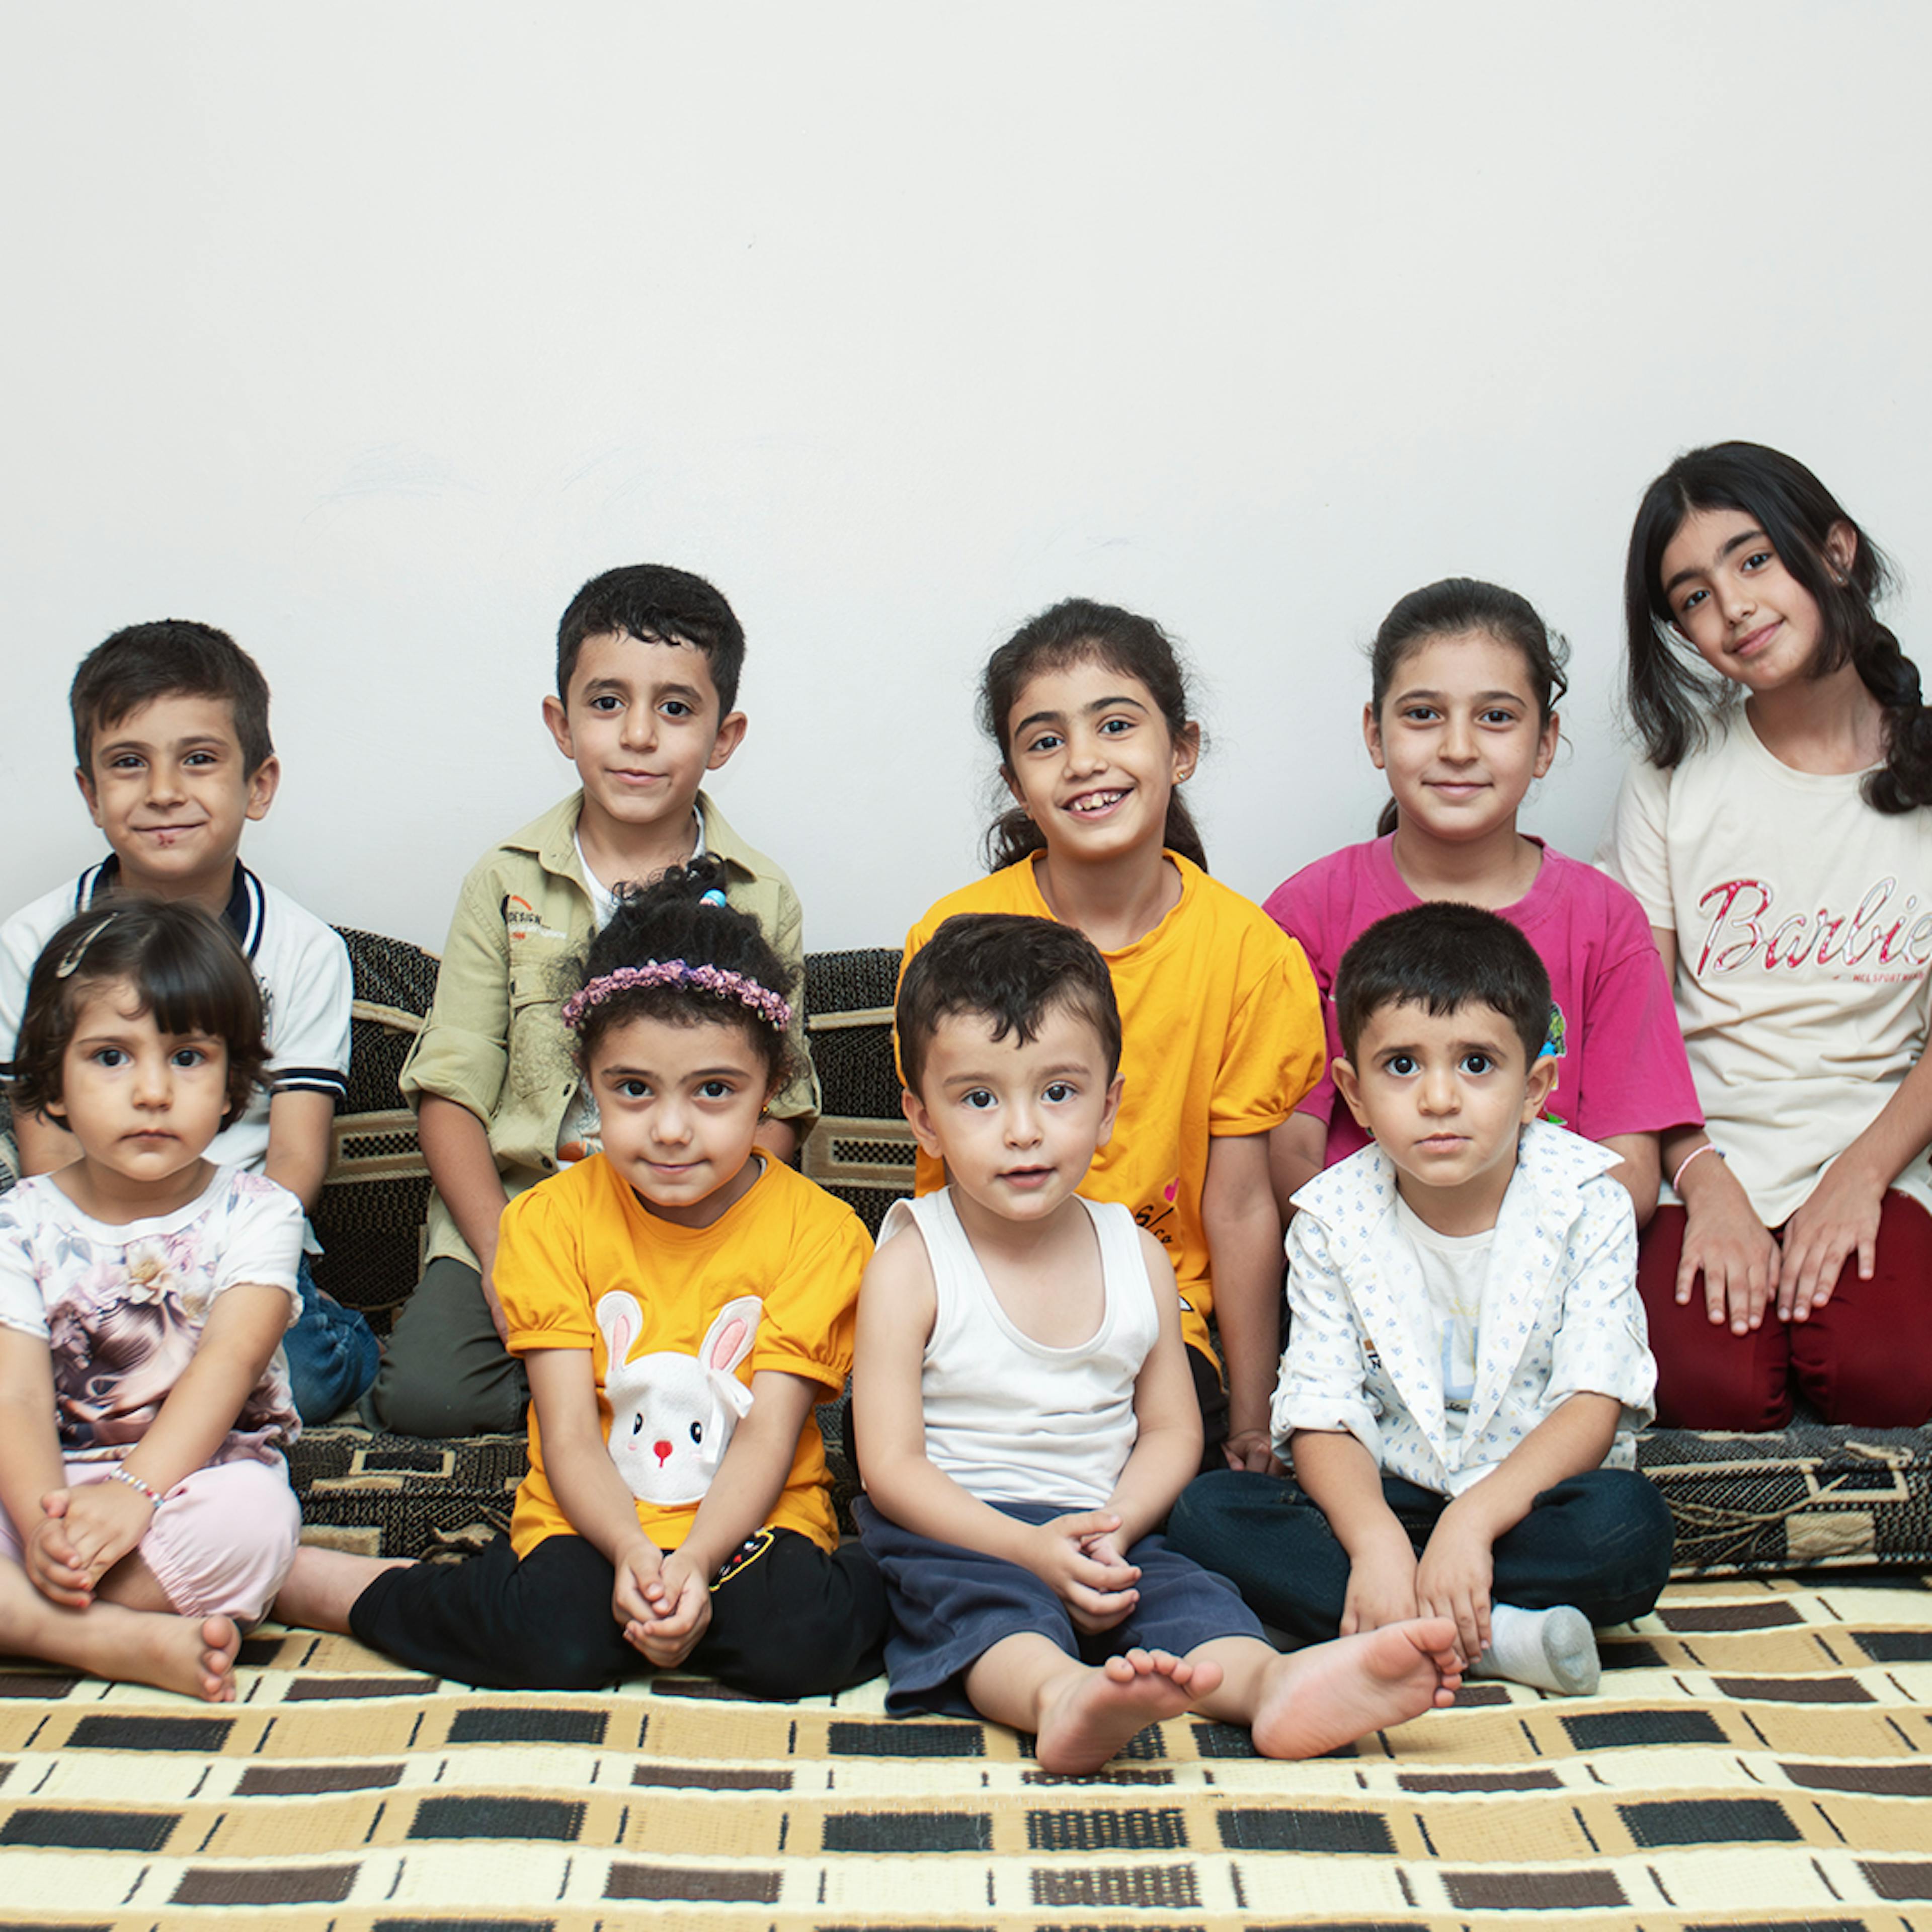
{"x":1760,"y":1756}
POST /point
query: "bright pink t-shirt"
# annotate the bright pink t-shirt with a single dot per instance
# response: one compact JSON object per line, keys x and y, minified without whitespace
{"x":1623,"y":1069}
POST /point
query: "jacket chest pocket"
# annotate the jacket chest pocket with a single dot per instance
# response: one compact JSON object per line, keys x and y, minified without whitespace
{"x":539,"y":1042}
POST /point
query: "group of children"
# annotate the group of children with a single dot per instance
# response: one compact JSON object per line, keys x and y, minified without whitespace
{"x":1092,"y":1476}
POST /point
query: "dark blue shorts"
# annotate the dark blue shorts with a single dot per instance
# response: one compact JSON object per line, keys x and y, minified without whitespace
{"x":950,"y":1605}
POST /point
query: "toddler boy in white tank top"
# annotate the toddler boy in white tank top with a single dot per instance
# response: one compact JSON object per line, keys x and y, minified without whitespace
{"x":1025,"y":1414}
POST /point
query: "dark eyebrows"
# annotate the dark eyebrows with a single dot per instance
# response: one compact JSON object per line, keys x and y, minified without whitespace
{"x":1477,"y":698}
{"x":1113,"y":703}
{"x":1736,"y":543}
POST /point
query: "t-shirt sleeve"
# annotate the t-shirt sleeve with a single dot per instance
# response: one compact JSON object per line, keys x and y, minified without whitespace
{"x":811,"y":1307}
{"x":1636,"y":851}
{"x":309,"y":1019}
{"x":1296,"y":907}
{"x":19,"y":949}
{"x":541,"y":1278}
{"x":1275,"y":1048}
{"x":23,"y":1305}
{"x":1639,"y":1073}
{"x":463,"y":1052}
{"x":262,"y":1242}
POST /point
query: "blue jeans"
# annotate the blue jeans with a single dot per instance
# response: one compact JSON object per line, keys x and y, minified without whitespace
{"x":1600,"y":1540}
{"x":332,"y":1351}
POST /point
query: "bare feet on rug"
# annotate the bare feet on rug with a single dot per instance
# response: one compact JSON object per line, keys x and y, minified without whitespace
{"x":322,"y":1584}
{"x":1318,"y":1699}
{"x":1086,"y":1719}
{"x":195,"y":1655}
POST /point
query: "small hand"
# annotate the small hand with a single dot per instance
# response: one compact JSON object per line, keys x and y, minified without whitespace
{"x":637,"y":1565}
{"x":1381,"y":1589}
{"x":1840,"y":1220}
{"x":104,"y":1521}
{"x":679,"y":1597}
{"x":1097,"y":1589}
{"x":48,"y":1556}
{"x":1733,"y":1250}
{"x":1453,"y":1580}
{"x":1251,"y":1449}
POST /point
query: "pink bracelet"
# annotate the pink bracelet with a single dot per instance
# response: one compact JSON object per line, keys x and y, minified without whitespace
{"x":1708,"y":1148}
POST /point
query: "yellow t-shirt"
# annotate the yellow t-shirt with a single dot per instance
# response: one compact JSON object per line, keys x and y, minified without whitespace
{"x":1222,"y":1035}
{"x":572,"y":1243}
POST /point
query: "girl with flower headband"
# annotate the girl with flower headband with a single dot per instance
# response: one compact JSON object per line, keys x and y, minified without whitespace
{"x":681,"y":1302}
{"x":145,"y":1514}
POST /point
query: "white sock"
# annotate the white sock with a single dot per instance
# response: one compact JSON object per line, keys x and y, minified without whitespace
{"x":1550,"y":1650}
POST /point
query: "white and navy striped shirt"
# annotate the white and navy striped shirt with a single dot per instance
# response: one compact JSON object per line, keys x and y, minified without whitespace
{"x":301,"y":964}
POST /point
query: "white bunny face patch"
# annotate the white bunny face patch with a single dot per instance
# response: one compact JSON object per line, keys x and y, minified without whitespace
{"x":672,"y":1414}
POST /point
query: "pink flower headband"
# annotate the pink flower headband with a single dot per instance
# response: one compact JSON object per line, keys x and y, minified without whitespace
{"x":761,"y":999}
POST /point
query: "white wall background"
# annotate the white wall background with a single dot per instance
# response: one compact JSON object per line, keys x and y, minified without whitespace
{"x":368,"y":332}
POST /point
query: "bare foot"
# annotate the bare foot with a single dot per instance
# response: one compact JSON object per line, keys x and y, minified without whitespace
{"x":322,"y":1584}
{"x":194,"y":1655}
{"x":1099,"y":1710}
{"x":1317,"y":1699}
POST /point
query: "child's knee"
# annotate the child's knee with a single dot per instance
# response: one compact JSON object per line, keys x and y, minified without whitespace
{"x":223,"y":1540}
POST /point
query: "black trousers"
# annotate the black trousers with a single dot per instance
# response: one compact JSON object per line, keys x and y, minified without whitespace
{"x":1600,"y":1540}
{"x":786,"y":1620}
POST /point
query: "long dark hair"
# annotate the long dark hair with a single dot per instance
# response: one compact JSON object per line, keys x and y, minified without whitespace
{"x":1671,"y":696}
{"x":1080,"y":631}
{"x":1452,"y":608}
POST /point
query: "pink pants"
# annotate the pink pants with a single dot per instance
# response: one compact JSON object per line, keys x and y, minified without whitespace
{"x":221,"y":1542}
{"x":1865,"y":1356}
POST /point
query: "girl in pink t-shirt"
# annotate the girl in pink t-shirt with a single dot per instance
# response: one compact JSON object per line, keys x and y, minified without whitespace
{"x":1465,"y":679}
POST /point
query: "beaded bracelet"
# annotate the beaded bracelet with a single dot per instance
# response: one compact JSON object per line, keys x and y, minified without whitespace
{"x":120,"y":1475}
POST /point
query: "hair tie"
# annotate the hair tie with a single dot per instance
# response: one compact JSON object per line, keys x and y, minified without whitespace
{"x":713,"y":898}
{"x":761,"y":1000}
{"x":77,"y":951}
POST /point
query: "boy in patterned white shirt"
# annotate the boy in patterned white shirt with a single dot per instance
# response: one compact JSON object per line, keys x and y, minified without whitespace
{"x":1468,"y":1361}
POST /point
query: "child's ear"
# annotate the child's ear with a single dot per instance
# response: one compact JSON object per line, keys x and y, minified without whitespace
{"x":1187,"y":751}
{"x":730,"y":736}
{"x":1547,"y":743}
{"x":1013,"y":785}
{"x":1541,"y":1084}
{"x":1108,"y":1113}
{"x":920,"y":1121}
{"x":556,"y":721}
{"x":1371,"y":734}
{"x":83,"y":778}
{"x":263,"y":781}
{"x":1841,"y":549}
{"x":1350,"y":1088}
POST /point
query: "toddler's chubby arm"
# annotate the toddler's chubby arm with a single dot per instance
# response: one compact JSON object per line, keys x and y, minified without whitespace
{"x":750,"y":1479}
{"x":1243,"y":1229}
{"x":1453,"y":1578}
{"x":592,"y":1494}
{"x":94,"y":1526}
{"x":896,"y":1309}
{"x":1339,"y":1475}
{"x":30,"y":1470}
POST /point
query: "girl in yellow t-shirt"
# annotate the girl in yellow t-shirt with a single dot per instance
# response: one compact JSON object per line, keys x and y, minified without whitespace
{"x":681,"y":1304}
{"x":1088,"y":706}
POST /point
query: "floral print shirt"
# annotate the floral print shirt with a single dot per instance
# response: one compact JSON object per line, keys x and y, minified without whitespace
{"x":122,"y":1307}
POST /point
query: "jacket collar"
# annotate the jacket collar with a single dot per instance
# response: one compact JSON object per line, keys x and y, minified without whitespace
{"x":552,"y":838}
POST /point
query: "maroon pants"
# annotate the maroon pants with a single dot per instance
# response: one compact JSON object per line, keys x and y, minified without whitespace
{"x":1865,"y":1356}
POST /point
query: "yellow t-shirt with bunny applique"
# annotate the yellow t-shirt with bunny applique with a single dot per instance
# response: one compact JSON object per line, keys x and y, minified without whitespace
{"x":773,"y":1283}
{"x":1222,"y":1035}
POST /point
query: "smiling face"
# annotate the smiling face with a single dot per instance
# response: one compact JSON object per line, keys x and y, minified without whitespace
{"x":1461,"y":736}
{"x":1444,"y":1094}
{"x":1017,"y":1124}
{"x":1732,"y":597}
{"x":143,"y":1105}
{"x":679,"y":1106}
{"x":1092,"y":762}
{"x":642,"y":726}
{"x":168,"y":786}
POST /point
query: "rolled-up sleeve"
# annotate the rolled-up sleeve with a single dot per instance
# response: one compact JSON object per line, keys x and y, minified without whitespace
{"x":1602,"y":1344}
{"x":463,"y":1052}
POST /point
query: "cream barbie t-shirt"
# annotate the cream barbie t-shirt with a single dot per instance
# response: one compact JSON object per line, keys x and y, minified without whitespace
{"x":1804,"y":924}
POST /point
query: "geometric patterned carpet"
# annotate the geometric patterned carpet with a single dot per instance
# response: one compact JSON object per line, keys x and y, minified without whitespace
{"x":1760,"y":1756}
